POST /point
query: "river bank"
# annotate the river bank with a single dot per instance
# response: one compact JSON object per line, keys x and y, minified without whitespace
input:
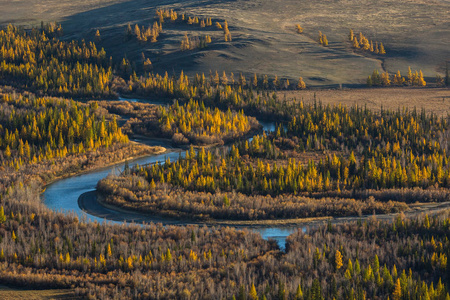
{"x":80,"y":198}
{"x":144,"y":151}
{"x":91,"y":203}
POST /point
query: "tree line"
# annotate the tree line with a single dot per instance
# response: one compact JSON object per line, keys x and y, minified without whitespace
{"x":393,"y":149}
{"x":367,"y":151}
{"x":360,"y":42}
{"x":35,"y":129}
{"x":403,"y":259}
{"x":195,"y":123}
{"x":142,"y":34}
{"x":191,"y":43}
{"x":42,"y":63}
{"x":189,"y":123}
{"x":385,"y":79}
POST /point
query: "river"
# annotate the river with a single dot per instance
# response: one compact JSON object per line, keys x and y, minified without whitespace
{"x":63,"y":195}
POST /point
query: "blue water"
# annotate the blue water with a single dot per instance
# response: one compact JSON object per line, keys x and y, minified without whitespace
{"x":63,"y":195}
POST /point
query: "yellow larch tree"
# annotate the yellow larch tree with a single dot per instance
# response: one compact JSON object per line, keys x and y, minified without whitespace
{"x":338,"y":260}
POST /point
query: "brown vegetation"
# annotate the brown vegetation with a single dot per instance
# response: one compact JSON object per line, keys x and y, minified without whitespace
{"x":366,"y":157}
{"x":436,"y":100}
{"x":8,"y":293}
{"x":45,"y":249}
{"x":133,"y":192}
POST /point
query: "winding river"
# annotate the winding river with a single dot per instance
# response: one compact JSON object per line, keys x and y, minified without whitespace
{"x":63,"y":195}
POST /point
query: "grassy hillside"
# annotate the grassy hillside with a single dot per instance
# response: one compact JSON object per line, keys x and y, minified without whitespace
{"x":264,"y":39}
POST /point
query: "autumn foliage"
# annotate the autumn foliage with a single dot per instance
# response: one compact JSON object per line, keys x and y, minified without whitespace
{"x":46,"y":64}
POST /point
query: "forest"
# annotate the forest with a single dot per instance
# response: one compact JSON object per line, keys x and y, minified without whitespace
{"x":51,"y":128}
{"x":361,"y":152}
{"x":39,"y":61}
{"x":405,"y":259}
{"x":44,"y":138}
{"x":412,"y":79}
{"x":321,"y":161}
{"x":191,"y":123}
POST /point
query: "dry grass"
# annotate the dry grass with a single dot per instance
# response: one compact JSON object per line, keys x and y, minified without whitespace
{"x":27,"y":12}
{"x":264,"y":37}
{"x":8,"y":293}
{"x":436,"y":100}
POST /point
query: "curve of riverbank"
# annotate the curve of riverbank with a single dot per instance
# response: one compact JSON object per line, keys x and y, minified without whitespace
{"x":77,"y":194}
{"x":68,"y":195}
{"x":91,"y":203}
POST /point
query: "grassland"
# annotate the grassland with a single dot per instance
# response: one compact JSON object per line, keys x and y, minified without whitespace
{"x":264,"y":37}
{"x":8,"y":293}
{"x":435,"y":100}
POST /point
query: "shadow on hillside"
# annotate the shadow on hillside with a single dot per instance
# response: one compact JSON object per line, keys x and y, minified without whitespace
{"x":120,"y":14}
{"x":112,"y":22}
